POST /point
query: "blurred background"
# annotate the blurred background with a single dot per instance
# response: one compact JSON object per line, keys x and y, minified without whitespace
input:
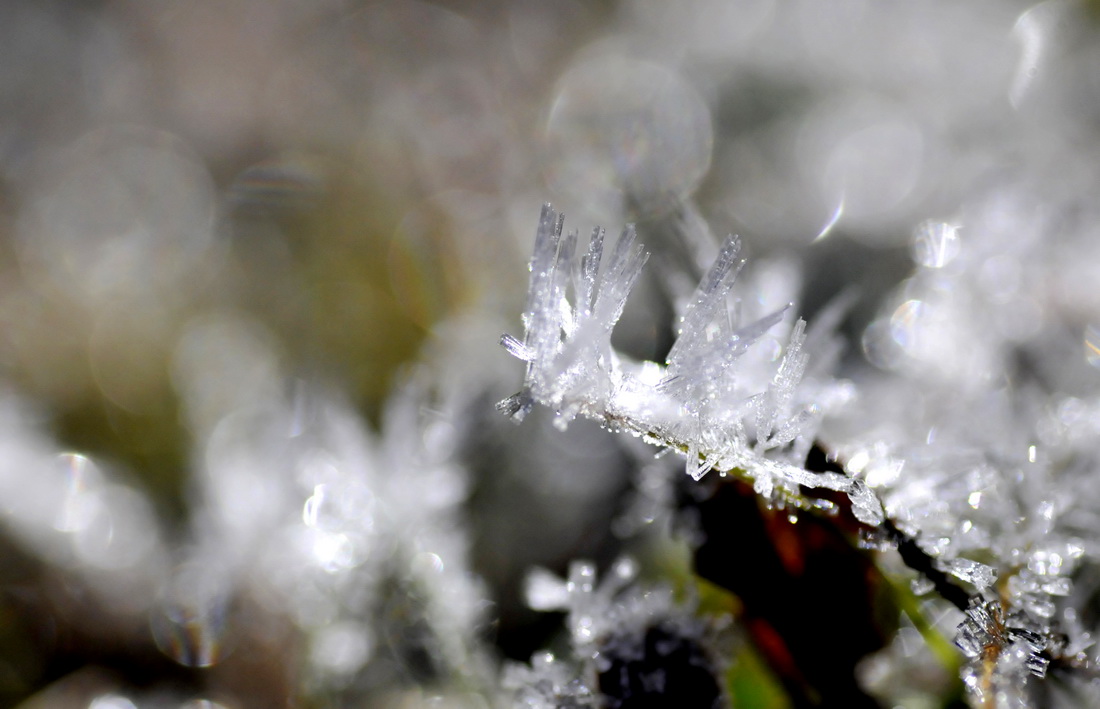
{"x":255,"y":256}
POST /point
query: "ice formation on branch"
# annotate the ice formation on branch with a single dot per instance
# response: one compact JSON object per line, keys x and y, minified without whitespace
{"x":377,"y":513}
{"x":974,"y":448}
{"x":712,"y":401}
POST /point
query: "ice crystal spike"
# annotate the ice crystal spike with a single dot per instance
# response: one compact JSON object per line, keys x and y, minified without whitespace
{"x":623,"y":270}
{"x":712,"y":291}
{"x":516,"y":348}
{"x":696,"y":372}
{"x":590,"y":269}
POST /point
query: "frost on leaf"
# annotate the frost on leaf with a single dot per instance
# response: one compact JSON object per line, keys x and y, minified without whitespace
{"x":718,"y":399}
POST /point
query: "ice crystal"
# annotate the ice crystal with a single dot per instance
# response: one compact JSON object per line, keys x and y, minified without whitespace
{"x":974,"y":573}
{"x":976,"y":457}
{"x":712,"y":400}
{"x":1002,"y":650}
{"x":965,"y":493}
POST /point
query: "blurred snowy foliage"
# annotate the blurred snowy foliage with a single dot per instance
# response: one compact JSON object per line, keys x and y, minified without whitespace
{"x":255,"y":255}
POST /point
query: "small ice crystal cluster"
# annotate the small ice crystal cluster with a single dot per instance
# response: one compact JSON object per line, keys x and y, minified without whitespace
{"x":718,"y":400}
{"x":971,"y":443}
{"x":999,"y":647}
{"x":633,"y":645}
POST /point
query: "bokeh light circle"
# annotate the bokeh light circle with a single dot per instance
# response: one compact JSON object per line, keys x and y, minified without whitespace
{"x":626,"y":133}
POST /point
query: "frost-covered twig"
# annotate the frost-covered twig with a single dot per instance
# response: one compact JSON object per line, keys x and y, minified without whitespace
{"x":716,"y":400}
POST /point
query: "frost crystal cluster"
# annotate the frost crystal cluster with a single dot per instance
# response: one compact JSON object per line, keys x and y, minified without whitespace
{"x":979,"y":455}
{"x":720,"y":401}
{"x":965,"y":485}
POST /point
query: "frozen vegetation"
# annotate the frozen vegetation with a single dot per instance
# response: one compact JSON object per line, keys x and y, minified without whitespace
{"x":814,"y":423}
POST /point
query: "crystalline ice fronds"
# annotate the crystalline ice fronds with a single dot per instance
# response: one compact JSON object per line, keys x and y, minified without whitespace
{"x":568,"y":345}
{"x":1003,"y":649}
{"x":974,"y":484}
{"x":722,"y":399}
{"x":1037,"y":664}
{"x":696,"y":334}
{"x":971,"y":639}
{"x":696,"y":467}
{"x":781,"y":391}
